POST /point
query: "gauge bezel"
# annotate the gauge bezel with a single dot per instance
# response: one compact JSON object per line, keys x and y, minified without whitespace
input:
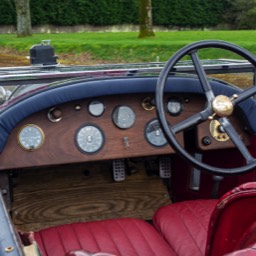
{"x":78,"y":145}
{"x":150,"y":122}
{"x":118,"y":124}
{"x":36,"y":146}
{"x":91,"y":112}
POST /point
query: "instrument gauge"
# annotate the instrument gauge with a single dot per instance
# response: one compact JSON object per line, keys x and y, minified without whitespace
{"x":96,"y":108}
{"x":89,"y":139}
{"x":154,"y":134}
{"x":30,"y":137}
{"x":174,"y":106}
{"x":123,"y":117}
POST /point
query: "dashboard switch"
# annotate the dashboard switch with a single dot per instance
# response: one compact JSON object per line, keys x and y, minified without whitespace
{"x":206,"y":141}
{"x":126,"y":142}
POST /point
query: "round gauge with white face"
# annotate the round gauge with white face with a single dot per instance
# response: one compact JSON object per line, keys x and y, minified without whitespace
{"x":30,"y":137}
{"x":154,"y":134}
{"x":96,"y":108}
{"x":124,"y":117}
{"x":89,"y":139}
{"x":174,"y":106}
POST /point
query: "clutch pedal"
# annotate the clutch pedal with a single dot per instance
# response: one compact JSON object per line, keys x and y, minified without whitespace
{"x":119,"y":169}
{"x":165,"y":167}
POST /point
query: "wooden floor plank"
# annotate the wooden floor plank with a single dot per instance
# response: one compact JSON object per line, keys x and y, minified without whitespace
{"x":64,"y":194}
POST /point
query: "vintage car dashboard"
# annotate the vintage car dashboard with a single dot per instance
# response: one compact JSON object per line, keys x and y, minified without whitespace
{"x":108,"y":118}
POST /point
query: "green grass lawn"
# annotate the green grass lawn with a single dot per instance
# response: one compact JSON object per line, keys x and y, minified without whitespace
{"x":125,"y":46}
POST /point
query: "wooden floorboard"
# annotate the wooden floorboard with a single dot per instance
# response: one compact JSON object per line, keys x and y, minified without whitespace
{"x":64,"y":194}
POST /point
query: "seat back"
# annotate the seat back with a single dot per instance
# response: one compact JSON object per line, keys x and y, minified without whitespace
{"x":233,"y":222}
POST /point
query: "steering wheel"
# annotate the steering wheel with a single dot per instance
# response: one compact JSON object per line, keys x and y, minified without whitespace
{"x":214,"y":107}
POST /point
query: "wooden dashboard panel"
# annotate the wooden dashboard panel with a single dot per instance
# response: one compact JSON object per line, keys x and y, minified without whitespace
{"x":59,"y":146}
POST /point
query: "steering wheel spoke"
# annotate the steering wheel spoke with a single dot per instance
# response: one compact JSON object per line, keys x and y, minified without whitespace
{"x":202,"y":76}
{"x":192,"y":121}
{"x":234,"y":136}
{"x":245,"y":94}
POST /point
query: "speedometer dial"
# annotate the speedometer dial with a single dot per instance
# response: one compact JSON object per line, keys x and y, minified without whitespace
{"x":89,"y":139}
{"x":154,"y":134}
{"x":30,"y":137}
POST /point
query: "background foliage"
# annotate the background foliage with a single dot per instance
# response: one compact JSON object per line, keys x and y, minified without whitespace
{"x":178,"y":13}
{"x":236,"y":14}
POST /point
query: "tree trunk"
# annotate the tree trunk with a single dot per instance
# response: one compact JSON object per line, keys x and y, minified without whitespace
{"x":23,"y":18}
{"x":146,"y":23}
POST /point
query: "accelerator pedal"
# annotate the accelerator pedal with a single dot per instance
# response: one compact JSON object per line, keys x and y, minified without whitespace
{"x":165,"y":167}
{"x":119,"y":169}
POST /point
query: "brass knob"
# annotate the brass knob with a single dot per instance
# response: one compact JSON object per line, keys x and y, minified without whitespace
{"x":222,"y":106}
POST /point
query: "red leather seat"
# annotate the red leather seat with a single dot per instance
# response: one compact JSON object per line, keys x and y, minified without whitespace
{"x":251,"y":251}
{"x":121,"y":237}
{"x":184,"y":225}
{"x":189,"y":228}
{"x":211,"y":227}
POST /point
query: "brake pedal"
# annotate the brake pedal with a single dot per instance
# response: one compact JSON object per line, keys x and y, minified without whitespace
{"x":119,"y":169}
{"x":165,"y":167}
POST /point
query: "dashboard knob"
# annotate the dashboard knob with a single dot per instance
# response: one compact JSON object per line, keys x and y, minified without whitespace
{"x":54,"y":115}
{"x":206,"y":141}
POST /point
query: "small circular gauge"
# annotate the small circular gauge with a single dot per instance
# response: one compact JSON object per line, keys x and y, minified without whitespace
{"x":89,"y":139}
{"x":30,"y":137}
{"x":123,"y":117}
{"x":154,"y":134}
{"x":96,"y":108}
{"x":174,"y":106}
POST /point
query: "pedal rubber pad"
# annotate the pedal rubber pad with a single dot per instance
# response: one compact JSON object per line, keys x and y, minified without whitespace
{"x":119,"y":170}
{"x":165,"y":167}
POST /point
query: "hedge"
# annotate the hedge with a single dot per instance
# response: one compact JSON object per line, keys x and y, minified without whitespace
{"x":183,"y":13}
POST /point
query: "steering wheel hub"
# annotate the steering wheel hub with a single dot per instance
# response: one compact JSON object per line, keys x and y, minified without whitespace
{"x":222,"y":106}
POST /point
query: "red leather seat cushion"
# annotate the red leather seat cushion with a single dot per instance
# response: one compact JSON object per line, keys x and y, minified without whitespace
{"x":244,"y":252}
{"x":184,"y":225}
{"x":122,"y":237}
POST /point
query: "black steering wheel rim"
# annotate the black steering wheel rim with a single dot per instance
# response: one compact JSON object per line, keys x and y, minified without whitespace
{"x":162,"y":80}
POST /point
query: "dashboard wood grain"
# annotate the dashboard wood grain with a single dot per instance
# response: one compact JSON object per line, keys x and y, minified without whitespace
{"x":60,"y":148}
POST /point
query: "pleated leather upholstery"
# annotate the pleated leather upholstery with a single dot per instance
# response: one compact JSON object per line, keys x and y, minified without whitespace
{"x":184,"y":225}
{"x":122,"y":237}
{"x":244,"y":252}
{"x":212,"y":227}
{"x":233,"y":222}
